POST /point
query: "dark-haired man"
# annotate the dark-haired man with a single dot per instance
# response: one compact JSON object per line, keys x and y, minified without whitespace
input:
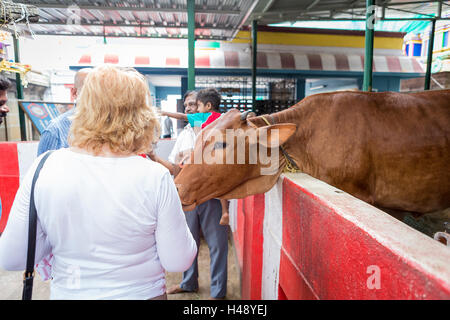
{"x":185,"y":140}
{"x":208,"y":107}
{"x":208,"y":103}
{"x":204,"y":219}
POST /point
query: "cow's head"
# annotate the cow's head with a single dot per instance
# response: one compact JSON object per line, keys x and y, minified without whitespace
{"x":233,"y":158}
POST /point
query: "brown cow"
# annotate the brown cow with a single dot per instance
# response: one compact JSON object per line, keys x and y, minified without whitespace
{"x":389,"y":149}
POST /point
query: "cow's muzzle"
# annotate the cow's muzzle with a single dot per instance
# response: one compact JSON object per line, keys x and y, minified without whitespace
{"x":189,"y":207}
{"x":184,"y":197}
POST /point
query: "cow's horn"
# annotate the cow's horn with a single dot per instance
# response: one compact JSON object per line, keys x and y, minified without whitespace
{"x":246,"y":114}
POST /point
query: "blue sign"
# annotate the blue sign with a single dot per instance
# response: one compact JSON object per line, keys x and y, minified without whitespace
{"x":41,"y":113}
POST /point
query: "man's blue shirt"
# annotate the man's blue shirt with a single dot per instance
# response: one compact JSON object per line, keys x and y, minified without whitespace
{"x":55,"y":136}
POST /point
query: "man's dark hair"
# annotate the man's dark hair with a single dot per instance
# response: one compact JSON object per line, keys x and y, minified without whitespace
{"x":4,"y":83}
{"x":188,"y":93}
{"x":210,"y":95}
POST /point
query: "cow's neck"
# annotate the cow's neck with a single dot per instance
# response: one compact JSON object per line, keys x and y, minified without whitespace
{"x":291,"y":115}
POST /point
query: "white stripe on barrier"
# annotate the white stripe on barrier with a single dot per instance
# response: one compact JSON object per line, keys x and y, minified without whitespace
{"x":272,"y":235}
{"x":27,"y":153}
{"x":233,"y":215}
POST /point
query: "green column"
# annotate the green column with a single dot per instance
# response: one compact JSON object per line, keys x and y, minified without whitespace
{"x":191,"y":44}
{"x":254,"y":60}
{"x":23,"y":130}
{"x":301,"y":86}
{"x":368,"y":57}
{"x":430,"y":55}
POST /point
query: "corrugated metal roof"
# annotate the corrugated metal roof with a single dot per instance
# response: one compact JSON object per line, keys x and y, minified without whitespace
{"x":214,"y":19}
{"x":276,"y":11}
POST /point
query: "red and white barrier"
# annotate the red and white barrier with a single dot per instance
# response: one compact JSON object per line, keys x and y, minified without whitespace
{"x":15,"y":160}
{"x":307,"y":240}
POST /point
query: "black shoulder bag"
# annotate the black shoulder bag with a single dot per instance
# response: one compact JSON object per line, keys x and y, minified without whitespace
{"x":28,"y":276}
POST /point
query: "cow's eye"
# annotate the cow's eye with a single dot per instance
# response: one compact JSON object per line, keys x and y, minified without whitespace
{"x":220,"y":145}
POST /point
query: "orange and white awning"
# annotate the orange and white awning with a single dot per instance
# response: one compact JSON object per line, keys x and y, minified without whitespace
{"x":266,"y":60}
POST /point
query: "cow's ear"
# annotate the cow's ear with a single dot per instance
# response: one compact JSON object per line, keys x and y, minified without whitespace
{"x":275,"y":135}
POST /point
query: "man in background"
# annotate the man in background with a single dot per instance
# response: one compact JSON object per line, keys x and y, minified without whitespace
{"x":185,"y":140}
{"x":167,"y":128}
{"x":202,"y":220}
{"x":55,"y":135}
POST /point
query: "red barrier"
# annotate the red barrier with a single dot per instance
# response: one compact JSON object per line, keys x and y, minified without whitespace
{"x":320,"y":243}
{"x":253,"y":208}
{"x":15,"y":159}
{"x":248,"y":243}
{"x":9,"y":179}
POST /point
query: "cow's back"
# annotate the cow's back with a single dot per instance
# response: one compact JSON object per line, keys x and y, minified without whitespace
{"x":389,"y":149}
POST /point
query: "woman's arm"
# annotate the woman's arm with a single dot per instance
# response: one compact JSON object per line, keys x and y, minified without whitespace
{"x":173,"y":168}
{"x":176,"y":115}
{"x":14,"y":240}
{"x":174,"y":242}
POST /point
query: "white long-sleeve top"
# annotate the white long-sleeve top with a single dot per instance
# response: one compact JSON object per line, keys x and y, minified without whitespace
{"x":114,"y":225}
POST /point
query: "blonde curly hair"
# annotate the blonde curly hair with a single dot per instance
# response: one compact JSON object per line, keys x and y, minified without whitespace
{"x":114,"y":110}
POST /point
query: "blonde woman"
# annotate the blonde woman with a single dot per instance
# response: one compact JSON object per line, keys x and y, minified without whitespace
{"x":112,"y":219}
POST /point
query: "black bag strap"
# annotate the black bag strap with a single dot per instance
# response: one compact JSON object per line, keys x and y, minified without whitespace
{"x":28,"y":276}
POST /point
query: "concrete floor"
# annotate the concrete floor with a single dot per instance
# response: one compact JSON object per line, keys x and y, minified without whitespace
{"x":11,"y":282}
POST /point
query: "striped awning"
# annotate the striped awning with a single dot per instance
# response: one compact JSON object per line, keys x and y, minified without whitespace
{"x":266,"y":60}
